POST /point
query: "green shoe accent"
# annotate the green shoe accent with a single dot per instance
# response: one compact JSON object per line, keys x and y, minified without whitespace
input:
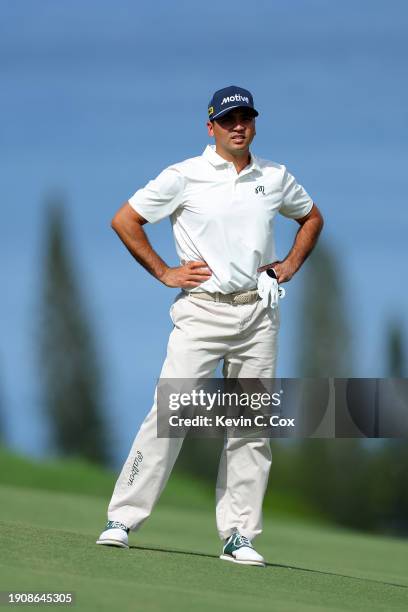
{"x":234,"y":542}
{"x":116,"y":525}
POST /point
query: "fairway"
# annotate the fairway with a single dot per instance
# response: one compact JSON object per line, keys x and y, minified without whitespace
{"x":48,"y":544}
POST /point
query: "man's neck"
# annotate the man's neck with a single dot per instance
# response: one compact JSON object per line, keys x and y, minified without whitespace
{"x":240,"y":161}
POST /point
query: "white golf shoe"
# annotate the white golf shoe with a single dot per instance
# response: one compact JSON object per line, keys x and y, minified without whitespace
{"x":115,"y":534}
{"x":239,"y":549}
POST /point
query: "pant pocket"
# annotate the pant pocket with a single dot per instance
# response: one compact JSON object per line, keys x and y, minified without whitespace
{"x":172,"y":313}
{"x":274,"y":316}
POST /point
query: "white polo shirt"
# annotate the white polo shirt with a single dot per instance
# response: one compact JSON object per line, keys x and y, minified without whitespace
{"x":222,"y":217}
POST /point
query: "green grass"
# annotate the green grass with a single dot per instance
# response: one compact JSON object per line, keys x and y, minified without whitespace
{"x":47,"y":543}
{"x":77,"y":476}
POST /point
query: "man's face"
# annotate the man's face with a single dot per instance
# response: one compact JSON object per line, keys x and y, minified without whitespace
{"x":233,"y":132}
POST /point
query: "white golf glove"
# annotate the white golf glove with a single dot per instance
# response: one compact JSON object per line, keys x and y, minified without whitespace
{"x":269,"y":290}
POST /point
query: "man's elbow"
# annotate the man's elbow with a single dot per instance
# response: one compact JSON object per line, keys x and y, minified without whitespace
{"x":314,"y":217}
{"x":115,"y":224}
{"x":127,"y":216}
{"x":317,"y":217}
{"x":320,"y":219}
{"x":119,"y":218}
{"x":321,"y":223}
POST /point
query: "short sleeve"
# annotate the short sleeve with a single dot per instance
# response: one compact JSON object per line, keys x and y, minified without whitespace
{"x":296,"y":202}
{"x":160,"y":197}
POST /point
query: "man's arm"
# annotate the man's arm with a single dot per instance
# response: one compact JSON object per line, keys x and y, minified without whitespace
{"x":127,"y":223}
{"x":306,"y":238}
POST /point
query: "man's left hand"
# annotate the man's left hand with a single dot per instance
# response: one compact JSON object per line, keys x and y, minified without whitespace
{"x":284,"y":270}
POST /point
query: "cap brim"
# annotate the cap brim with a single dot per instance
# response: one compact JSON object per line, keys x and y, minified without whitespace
{"x":227,"y":110}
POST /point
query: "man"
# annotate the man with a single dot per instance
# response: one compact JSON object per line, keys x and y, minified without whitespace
{"x":221,"y":205}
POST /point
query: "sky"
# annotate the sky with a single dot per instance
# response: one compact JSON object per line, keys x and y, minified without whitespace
{"x":99,"y":96}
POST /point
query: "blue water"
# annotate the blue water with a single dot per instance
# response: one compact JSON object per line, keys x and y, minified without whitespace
{"x":98,"y":97}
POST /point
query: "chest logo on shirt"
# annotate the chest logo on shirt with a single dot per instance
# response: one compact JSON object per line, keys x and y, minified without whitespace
{"x":260,"y":189}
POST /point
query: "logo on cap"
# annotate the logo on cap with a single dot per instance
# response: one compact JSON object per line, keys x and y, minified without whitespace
{"x":236,"y":98}
{"x":228,"y":98}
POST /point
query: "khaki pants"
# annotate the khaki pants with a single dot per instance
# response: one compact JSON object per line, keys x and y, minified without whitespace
{"x":204,"y":332}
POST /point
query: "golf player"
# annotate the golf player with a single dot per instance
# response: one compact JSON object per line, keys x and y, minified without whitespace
{"x":222,"y":206}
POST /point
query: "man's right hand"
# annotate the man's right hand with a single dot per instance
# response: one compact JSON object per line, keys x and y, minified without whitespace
{"x":190,"y":274}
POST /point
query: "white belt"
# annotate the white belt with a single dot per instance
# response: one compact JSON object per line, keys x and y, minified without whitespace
{"x":238,"y":297}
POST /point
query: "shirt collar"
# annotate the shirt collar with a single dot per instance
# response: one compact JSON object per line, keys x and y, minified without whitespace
{"x":216,"y":160}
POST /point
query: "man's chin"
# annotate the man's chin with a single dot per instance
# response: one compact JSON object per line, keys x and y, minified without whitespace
{"x":239,"y":146}
{"x":239,"y":143}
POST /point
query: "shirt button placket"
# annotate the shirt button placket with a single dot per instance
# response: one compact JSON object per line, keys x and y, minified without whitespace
{"x":236,"y":179}
{"x":233,"y":174}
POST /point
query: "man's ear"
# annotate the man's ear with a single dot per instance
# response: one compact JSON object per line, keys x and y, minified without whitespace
{"x":210,"y":128}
